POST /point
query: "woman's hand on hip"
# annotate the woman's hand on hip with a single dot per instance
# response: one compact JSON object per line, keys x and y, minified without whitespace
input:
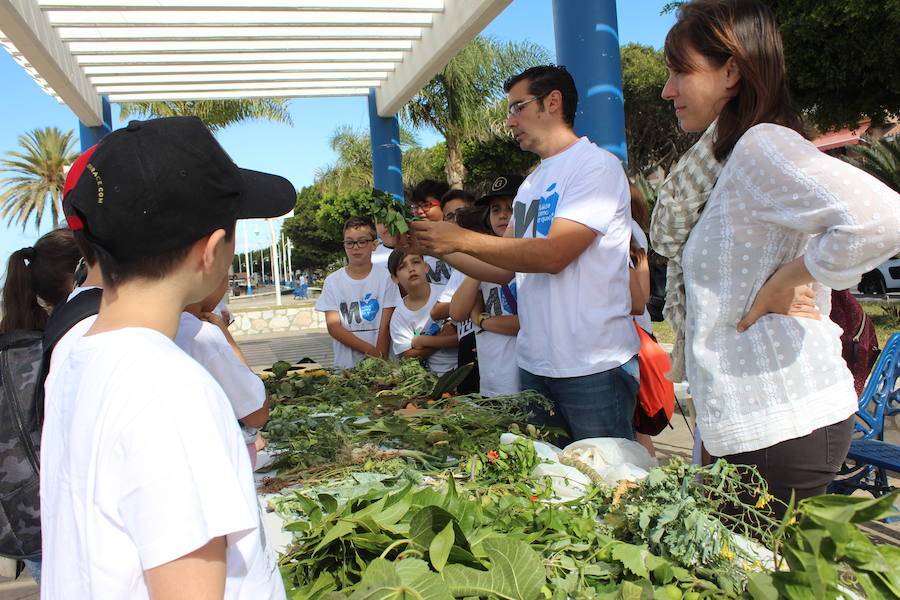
{"x":783,"y":294}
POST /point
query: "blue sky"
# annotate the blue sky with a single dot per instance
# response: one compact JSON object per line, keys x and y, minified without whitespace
{"x":293,"y":152}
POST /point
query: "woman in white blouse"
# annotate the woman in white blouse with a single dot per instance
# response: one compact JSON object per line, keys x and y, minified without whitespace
{"x":751,"y":213}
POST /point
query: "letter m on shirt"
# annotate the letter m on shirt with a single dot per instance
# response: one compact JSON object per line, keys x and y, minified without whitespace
{"x":525,"y":218}
{"x":351,"y":313}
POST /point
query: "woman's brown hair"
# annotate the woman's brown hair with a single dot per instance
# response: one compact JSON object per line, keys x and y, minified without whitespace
{"x":746,"y":31}
{"x":37,"y":279}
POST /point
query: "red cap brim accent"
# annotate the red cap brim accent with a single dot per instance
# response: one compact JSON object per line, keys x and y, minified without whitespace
{"x":74,"y":223}
{"x":75,"y":172}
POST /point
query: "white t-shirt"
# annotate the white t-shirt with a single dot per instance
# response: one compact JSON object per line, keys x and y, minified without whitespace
{"x":439,"y":272}
{"x":463,"y":328}
{"x":641,"y":238}
{"x":578,"y":321}
{"x":381,"y":255}
{"x":205,"y":343}
{"x":142,"y":462}
{"x":499,"y":373}
{"x":361,"y":304}
{"x":406,"y":324}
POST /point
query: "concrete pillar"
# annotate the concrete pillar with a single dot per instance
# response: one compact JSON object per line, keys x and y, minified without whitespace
{"x":587,"y":44}
{"x":91,"y":135}
{"x":386,"y":156}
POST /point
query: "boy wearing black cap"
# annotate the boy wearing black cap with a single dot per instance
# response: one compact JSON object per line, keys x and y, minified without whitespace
{"x":146,"y":488}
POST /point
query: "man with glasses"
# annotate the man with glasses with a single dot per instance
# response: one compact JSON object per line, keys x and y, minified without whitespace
{"x":358,"y":300}
{"x":567,"y":247}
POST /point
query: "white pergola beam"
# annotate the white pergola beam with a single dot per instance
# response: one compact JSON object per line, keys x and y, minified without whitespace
{"x":298,"y":5}
{"x":151,"y":80}
{"x":244,"y":57}
{"x":26,"y":28}
{"x":311,"y":68}
{"x":181,"y":34}
{"x":249,"y":87}
{"x":224,"y":95}
{"x":451,"y":30}
{"x":196,"y":18}
{"x":102,"y":47}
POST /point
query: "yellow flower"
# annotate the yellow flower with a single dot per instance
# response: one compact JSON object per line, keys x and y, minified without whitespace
{"x":764,"y":500}
{"x":313,"y":373}
{"x":726,"y":553}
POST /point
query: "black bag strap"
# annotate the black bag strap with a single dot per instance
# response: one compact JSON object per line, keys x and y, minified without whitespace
{"x":64,"y":317}
{"x":67,"y":315}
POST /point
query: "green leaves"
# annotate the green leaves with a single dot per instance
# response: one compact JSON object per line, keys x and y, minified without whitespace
{"x":402,"y":580}
{"x":389,"y":211}
{"x":515,"y":572}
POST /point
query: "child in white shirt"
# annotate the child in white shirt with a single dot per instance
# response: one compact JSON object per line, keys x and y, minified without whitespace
{"x":414,"y":334}
{"x":357,"y":300}
{"x":204,"y":335}
{"x":146,"y":488}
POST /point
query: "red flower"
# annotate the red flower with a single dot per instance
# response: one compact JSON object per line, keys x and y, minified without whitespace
{"x":492,"y":456}
{"x":535,"y":498}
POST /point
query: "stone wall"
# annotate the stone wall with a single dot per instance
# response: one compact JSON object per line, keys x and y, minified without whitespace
{"x":276,"y":319}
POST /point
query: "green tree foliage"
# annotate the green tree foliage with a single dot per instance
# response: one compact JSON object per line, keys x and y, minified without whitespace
{"x":842,"y":58}
{"x":654,"y":137}
{"x":352,"y":170}
{"x":881,"y":158}
{"x":38,"y":176}
{"x":464,"y":100}
{"x":336,"y":208}
{"x":216,"y":114}
{"x":312,"y":246}
{"x":485,"y":160}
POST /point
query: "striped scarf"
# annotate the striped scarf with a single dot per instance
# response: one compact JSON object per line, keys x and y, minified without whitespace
{"x":680,"y":201}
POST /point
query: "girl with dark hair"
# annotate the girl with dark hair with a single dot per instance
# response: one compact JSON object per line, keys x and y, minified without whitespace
{"x":751,"y":214}
{"x":37,"y":279}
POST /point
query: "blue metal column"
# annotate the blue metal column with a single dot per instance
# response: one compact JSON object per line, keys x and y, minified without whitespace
{"x":91,"y":135}
{"x":587,"y":44}
{"x":386,"y":156}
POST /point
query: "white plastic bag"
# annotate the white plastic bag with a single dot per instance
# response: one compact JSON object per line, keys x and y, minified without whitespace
{"x":603,"y":452}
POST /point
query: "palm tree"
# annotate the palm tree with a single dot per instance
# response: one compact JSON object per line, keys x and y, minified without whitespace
{"x":40,"y":174}
{"x":464,"y":100}
{"x":880,"y":158}
{"x":352,"y":171}
{"x":216,"y":114}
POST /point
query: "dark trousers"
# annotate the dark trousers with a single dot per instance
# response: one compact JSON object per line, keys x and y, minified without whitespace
{"x":804,"y":465}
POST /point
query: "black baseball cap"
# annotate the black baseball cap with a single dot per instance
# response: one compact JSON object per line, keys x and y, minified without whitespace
{"x":163,"y":184}
{"x":504,"y":185}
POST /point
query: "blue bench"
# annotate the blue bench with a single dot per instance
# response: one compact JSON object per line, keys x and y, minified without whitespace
{"x":872,"y":457}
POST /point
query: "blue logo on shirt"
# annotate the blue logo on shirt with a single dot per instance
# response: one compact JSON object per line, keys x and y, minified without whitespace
{"x":546,"y":211}
{"x":369,"y":307}
{"x":538,"y":216}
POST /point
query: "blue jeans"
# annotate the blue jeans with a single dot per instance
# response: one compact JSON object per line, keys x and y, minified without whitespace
{"x":598,"y":405}
{"x":34,"y":567}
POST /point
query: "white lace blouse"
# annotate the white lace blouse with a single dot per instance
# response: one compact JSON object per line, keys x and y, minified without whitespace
{"x":777,"y":198}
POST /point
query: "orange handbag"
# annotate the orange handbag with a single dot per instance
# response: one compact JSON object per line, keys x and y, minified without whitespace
{"x":656,"y":395}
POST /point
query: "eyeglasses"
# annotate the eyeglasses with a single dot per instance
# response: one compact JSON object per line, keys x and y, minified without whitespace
{"x":516,"y":107}
{"x":348,"y":244}
{"x":425,"y":205}
{"x":452,"y":215}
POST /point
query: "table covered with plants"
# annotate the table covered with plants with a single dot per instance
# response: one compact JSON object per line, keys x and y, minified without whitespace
{"x":393,"y":487}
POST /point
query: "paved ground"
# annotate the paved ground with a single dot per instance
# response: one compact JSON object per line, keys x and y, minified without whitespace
{"x":262,"y":351}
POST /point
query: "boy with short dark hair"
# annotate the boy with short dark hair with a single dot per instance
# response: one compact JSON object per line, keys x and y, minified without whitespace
{"x":414,"y":334}
{"x":357,"y":300}
{"x":146,"y":488}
